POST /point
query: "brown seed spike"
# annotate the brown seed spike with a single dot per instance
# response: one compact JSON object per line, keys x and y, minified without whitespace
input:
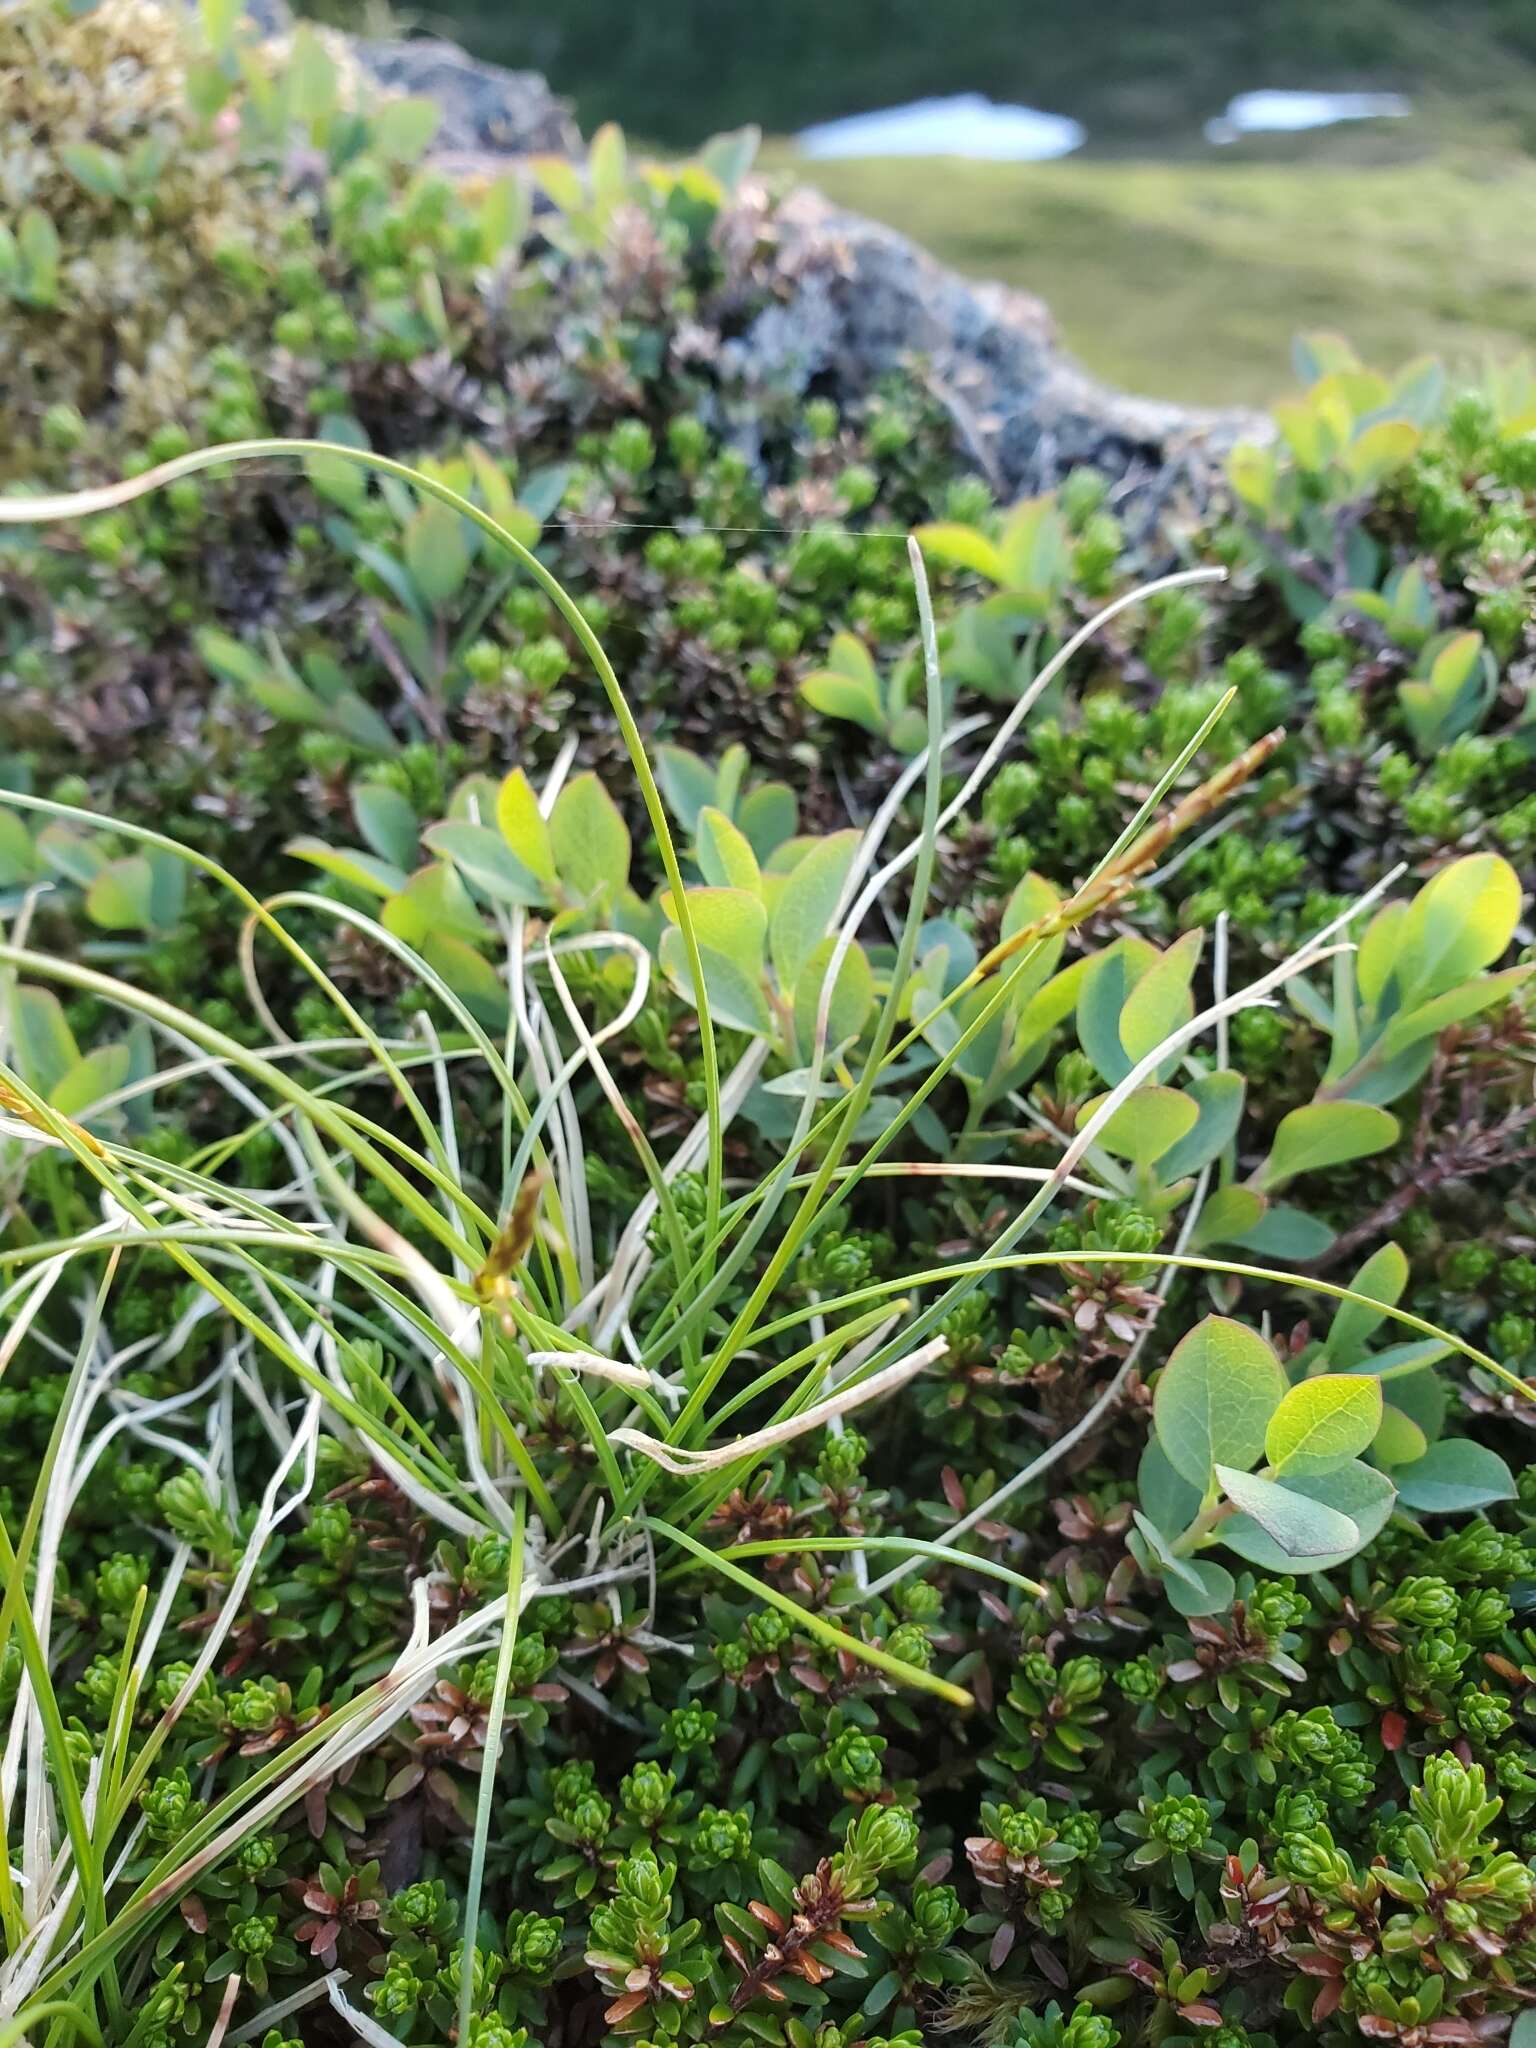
{"x":16,"y":1105}
{"x":1120,"y":876}
{"x":514,"y":1240}
{"x":1212,"y":793}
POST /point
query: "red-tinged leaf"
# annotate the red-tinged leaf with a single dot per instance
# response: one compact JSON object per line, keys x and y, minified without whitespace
{"x":1326,"y":2003}
{"x":954,"y":1492}
{"x":621,"y":2008}
{"x":1002,"y":1945}
{"x":195,"y":1913}
{"x":735,"y":1951}
{"x":1050,"y":1966}
{"x":1185,"y":1671}
{"x":766,"y":1915}
{"x":843,"y":1943}
{"x":771,"y":1990}
{"x":1394,"y":1731}
{"x":1200,"y":2014}
{"x":1502,"y":1668}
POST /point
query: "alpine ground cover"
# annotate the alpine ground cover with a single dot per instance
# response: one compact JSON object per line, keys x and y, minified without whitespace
{"x":741,"y":1304}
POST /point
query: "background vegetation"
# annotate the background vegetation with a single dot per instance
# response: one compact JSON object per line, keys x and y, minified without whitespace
{"x":1384,"y":231}
{"x":1144,"y":83}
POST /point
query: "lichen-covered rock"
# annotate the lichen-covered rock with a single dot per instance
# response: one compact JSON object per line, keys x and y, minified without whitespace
{"x":866,"y":299}
{"x":486,"y":109}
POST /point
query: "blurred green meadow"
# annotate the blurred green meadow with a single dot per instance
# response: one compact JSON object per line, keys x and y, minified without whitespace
{"x":1186,"y":280}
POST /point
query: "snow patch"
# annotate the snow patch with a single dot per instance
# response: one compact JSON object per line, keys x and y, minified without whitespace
{"x":1288,"y":113}
{"x":966,"y":124}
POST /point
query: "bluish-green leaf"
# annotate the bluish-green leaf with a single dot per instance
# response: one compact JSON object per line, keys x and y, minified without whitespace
{"x":1214,"y":1398}
{"x":101,"y":1072}
{"x":1167,"y":1498}
{"x":1303,"y":1528}
{"x":1286,"y":1234}
{"x":687,"y":783}
{"x":483,"y":857}
{"x":1218,"y":1098}
{"x":120,"y":897}
{"x":1323,"y":1134}
{"x":19,"y":859}
{"x":1365,"y":1497}
{"x":1383,"y":1277}
{"x":387,"y":821}
{"x":1105,"y":984}
{"x":853,"y":998}
{"x":725,"y":853}
{"x":1453,"y":1477}
{"x":43,"y":1046}
{"x":768,"y":816}
{"x":1216,"y":1589}
{"x":437,"y":553}
{"x":735,"y":999}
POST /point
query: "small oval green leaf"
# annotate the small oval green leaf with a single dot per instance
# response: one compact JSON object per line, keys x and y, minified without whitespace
{"x":1214,"y":1398}
{"x":1453,"y":1477}
{"x":1323,"y":1423}
{"x":1321,"y":1134}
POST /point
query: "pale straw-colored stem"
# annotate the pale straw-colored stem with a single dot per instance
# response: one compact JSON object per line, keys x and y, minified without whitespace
{"x":678,"y":1458}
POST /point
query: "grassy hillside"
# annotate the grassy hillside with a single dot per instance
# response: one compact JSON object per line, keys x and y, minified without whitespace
{"x":1186,"y":280}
